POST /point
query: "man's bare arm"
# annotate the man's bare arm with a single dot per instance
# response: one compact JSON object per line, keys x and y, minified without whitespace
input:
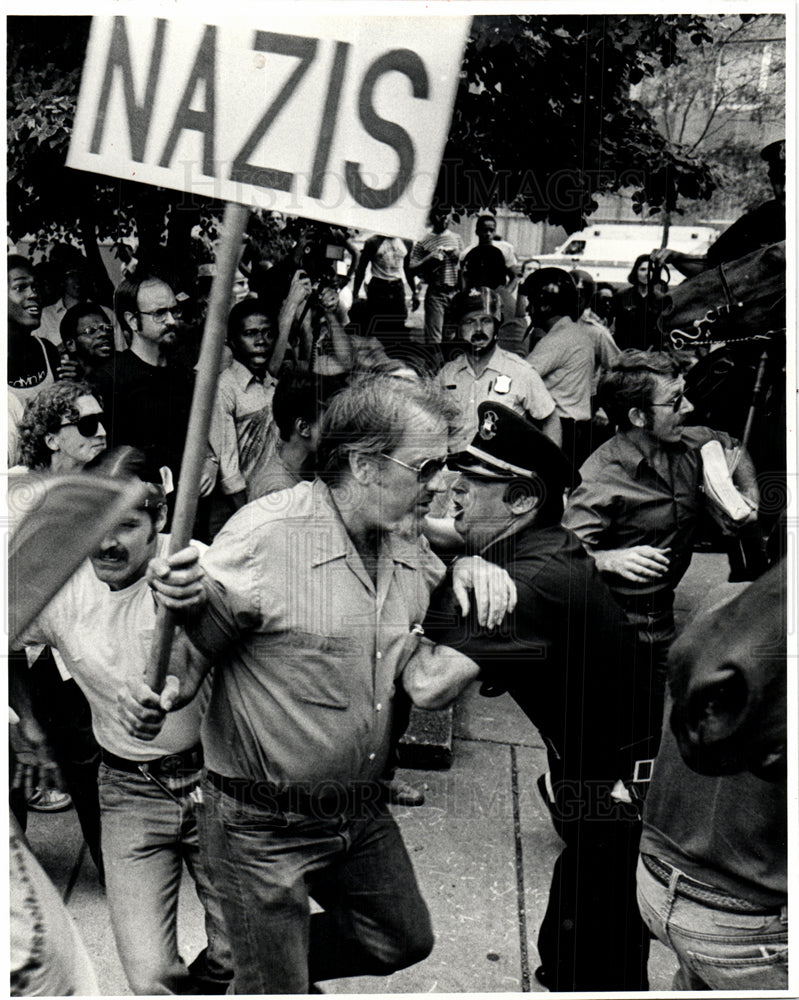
{"x":435,"y":675}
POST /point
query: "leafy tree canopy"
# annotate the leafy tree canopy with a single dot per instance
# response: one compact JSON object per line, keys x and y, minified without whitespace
{"x":543,"y":121}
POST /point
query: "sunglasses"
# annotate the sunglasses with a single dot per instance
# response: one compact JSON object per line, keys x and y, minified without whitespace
{"x":91,"y":331}
{"x":675,"y":403}
{"x":429,"y":468}
{"x":87,"y":426}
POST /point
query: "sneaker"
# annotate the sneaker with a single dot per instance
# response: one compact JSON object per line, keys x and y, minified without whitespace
{"x":49,"y":800}
{"x":400,"y":793}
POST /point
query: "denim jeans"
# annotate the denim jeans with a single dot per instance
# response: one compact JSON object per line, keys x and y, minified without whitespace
{"x":716,"y":950}
{"x":436,"y":300}
{"x":146,"y":837}
{"x":266,"y":865}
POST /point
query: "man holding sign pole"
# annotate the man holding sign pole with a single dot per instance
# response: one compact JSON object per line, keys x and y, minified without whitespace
{"x":310,"y":612}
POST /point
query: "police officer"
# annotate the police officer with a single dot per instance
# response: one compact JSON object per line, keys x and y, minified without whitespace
{"x":568,"y":658}
{"x":481,"y":369}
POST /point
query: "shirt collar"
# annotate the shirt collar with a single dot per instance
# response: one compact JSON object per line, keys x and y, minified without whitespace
{"x":244,"y":378}
{"x":334,"y":543}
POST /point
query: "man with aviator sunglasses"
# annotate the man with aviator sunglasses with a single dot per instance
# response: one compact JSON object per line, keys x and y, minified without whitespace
{"x":640,"y":501}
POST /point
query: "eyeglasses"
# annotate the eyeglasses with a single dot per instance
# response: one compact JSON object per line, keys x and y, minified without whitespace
{"x":160,"y":315}
{"x":675,"y":403}
{"x":429,"y":468}
{"x":87,"y":426}
{"x":92,"y":330}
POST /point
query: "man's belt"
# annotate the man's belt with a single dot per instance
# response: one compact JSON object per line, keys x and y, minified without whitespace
{"x":686,"y":886}
{"x":173,"y":765}
{"x":332,"y":800}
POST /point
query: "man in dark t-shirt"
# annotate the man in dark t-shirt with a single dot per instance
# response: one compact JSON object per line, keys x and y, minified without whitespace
{"x":147,"y":394}
{"x":484,"y":266}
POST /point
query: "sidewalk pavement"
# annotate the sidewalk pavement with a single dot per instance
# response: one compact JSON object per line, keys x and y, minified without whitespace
{"x":482,"y":845}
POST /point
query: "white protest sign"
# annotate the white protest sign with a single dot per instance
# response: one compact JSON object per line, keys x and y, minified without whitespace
{"x":342,"y":119}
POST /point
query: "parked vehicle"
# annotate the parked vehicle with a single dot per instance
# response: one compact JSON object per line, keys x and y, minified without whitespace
{"x":607,"y":251}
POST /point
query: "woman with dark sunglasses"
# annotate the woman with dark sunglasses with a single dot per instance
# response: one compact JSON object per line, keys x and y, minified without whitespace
{"x":62,"y":429}
{"x":60,"y":432}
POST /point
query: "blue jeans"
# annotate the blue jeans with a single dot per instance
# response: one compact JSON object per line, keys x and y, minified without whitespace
{"x":716,"y":950}
{"x":436,"y":300}
{"x":146,"y":837}
{"x":267,"y":864}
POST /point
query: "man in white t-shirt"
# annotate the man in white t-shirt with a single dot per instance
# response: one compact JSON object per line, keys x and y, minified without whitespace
{"x":102,"y":624}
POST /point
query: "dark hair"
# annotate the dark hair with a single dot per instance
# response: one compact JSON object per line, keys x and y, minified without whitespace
{"x":658,"y":272}
{"x":548,"y":494}
{"x":69,"y":321}
{"x":248,"y":307}
{"x":630,"y":382}
{"x":486,"y":217}
{"x":126,"y":296}
{"x":43,"y":415}
{"x":298,"y":396}
{"x":16,"y":260}
{"x":370,"y":415}
{"x":565,"y":299}
{"x":126,"y":462}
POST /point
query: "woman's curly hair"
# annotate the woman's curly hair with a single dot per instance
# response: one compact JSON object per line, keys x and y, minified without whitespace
{"x":43,"y":415}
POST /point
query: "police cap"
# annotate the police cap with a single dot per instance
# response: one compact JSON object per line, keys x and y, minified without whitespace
{"x":508,"y":445}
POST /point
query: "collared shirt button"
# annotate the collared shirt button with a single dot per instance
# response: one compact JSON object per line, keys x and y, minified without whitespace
{"x":371,"y":756}
{"x":379,"y":705}
{"x":379,"y":655}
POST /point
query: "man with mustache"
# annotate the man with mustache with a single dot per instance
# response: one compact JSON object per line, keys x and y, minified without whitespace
{"x":483,"y":370}
{"x":639,"y":504}
{"x":102,"y":622}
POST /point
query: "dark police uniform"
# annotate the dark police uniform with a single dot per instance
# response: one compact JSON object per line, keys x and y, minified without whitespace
{"x":567,"y":655}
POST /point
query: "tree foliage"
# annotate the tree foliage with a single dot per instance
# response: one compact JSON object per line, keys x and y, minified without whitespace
{"x":543,"y":121}
{"x":723,"y":101}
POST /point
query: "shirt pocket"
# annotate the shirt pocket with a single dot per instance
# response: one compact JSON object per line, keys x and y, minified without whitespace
{"x":314,"y":669}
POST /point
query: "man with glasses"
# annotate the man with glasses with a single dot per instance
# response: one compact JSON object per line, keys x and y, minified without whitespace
{"x":146,"y":391}
{"x":640,"y":501}
{"x":310,"y":606}
{"x":88,"y":339}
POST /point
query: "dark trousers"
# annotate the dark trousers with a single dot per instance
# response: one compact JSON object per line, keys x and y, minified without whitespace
{"x":65,"y":717}
{"x":592,"y":937}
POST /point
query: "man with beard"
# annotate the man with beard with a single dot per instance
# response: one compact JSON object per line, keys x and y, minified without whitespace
{"x":567,"y":655}
{"x":483,"y":370}
{"x":639,"y":504}
{"x":147,"y":394}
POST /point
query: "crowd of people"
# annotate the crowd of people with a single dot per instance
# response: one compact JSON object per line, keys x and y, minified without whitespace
{"x":373,"y":503}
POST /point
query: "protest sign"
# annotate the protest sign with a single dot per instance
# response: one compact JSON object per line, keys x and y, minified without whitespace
{"x":341,"y":119}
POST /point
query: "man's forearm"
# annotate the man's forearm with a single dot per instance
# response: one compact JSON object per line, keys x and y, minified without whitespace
{"x":435,"y":675}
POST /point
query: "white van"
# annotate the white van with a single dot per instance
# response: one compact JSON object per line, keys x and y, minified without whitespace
{"x":607,"y":251}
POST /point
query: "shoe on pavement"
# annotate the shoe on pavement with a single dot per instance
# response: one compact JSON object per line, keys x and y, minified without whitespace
{"x":49,"y":800}
{"x":400,"y":793}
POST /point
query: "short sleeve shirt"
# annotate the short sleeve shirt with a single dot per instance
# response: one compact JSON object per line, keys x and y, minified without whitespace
{"x":308,"y":649}
{"x":507,"y":379}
